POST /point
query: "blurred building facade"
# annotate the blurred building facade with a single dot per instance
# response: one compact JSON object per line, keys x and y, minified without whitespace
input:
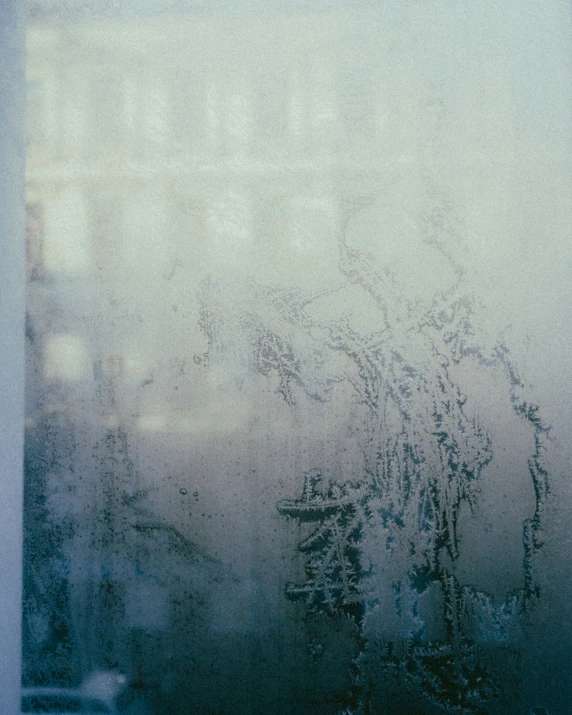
{"x":161,"y":151}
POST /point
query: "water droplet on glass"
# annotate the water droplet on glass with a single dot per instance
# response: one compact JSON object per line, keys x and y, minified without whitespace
{"x":183,"y":491}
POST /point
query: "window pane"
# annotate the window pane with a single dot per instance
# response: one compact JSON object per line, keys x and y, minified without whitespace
{"x":296,"y":351}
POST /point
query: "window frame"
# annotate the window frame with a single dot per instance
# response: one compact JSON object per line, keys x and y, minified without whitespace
{"x":13,"y":19}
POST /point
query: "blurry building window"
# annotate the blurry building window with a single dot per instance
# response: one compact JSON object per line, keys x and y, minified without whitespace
{"x":34,"y":240}
{"x":357,"y":107}
{"x":238,"y":120}
{"x":322,"y":110}
{"x":144,"y":249}
{"x":105,"y":225}
{"x":188,"y":235}
{"x":36,"y":114}
{"x":187,"y":113}
{"x":65,"y":357}
{"x":154,"y":117}
{"x":66,"y":242}
{"x":147,"y":606}
{"x":71,"y":130}
{"x":106,"y":113}
{"x":272,"y":108}
{"x":230,"y":220}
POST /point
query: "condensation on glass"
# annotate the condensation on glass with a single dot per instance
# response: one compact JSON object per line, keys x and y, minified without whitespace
{"x":295,"y":439}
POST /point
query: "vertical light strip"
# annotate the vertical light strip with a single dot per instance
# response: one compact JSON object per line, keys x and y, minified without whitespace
{"x":12,"y":310}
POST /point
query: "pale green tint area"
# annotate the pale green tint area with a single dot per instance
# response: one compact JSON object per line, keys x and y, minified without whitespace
{"x":270,"y":243}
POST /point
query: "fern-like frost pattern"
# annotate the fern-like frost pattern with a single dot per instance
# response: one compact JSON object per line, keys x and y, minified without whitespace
{"x":390,"y":533}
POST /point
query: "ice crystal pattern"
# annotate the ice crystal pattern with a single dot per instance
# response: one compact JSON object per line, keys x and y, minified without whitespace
{"x":396,"y":522}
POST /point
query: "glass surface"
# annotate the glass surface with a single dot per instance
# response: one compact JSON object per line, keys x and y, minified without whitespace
{"x":296,"y":319}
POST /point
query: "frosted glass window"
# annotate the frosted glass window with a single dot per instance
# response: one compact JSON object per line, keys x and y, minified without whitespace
{"x":298,"y":336}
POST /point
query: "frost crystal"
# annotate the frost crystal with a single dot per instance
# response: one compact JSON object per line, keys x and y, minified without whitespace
{"x":379,"y":539}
